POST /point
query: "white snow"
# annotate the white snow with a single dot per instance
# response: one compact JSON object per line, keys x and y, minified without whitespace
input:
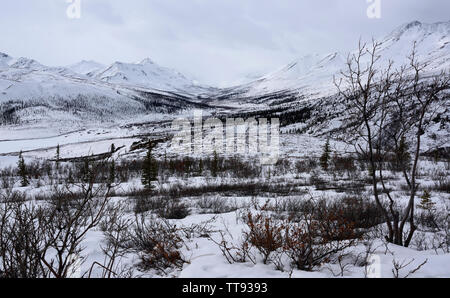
{"x":312,"y":75}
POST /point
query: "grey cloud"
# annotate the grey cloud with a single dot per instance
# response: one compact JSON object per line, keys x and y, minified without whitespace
{"x":216,"y":41}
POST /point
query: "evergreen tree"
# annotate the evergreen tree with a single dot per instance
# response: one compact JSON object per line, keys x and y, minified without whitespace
{"x":165,"y":160}
{"x":22,"y":171}
{"x":112,"y":173}
{"x":215,"y":165}
{"x":187,"y":165}
{"x":70,"y":179}
{"x":57,"y":156}
{"x":113,"y":148}
{"x":371,"y":171}
{"x":85,"y":171}
{"x":149,"y":169}
{"x":200,"y":167}
{"x":426,"y":203}
{"x":403,"y":156}
{"x":325,"y":158}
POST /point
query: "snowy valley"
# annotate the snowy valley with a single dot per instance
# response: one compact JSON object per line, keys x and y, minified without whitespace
{"x":90,"y":145}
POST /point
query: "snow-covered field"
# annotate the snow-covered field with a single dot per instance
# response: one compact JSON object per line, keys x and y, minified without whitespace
{"x":198,"y":213}
{"x":200,"y":250}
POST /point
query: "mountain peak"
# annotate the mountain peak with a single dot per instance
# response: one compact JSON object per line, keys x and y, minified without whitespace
{"x":408,"y":27}
{"x":412,"y":25}
{"x":86,"y":67}
{"x":146,"y":61}
{"x":417,"y":27}
{"x":23,"y":62}
{"x":146,"y":74}
{"x":4,"y":60}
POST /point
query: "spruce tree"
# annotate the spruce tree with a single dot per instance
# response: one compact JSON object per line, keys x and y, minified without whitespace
{"x":426,"y":203}
{"x":325,"y":158}
{"x":403,"y":156}
{"x":85,"y":171}
{"x":200,"y":167}
{"x":187,"y":165}
{"x":70,"y":179}
{"x":22,"y":171}
{"x":371,"y":171}
{"x":165,"y":160}
{"x":112,"y":173}
{"x":215,"y":165}
{"x":149,"y":169}
{"x":57,"y":156}
{"x":113,"y":149}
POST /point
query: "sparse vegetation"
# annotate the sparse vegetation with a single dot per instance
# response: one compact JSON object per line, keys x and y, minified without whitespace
{"x":378,"y":182}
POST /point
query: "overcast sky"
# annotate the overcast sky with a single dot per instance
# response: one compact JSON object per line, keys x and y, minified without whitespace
{"x":217,"y":42}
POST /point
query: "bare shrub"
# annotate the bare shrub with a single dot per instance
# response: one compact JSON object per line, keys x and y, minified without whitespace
{"x":234,"y":253}
{"x":115,"y":227}
{"x":44,"y":240}
{"x":173,"y":209}
{"x":398,"y":266}
{"x":265,"y":234}
{"x":343,"y":163}
{"x":307,"y":243}
{"x":216,"y":205}
{"x":21,"y":241}
{"x":362,"y":212}
{"x":146,"y":202}
{"x":441,"y":185}
{"x":311,"y":242}
{"x":306,"y":165}
{"x":289,"y":207}
{"x":158,"y":244}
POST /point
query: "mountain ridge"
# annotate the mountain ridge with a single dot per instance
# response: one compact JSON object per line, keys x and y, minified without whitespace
{"x":312,"y":75}
{"x":90,"y":87}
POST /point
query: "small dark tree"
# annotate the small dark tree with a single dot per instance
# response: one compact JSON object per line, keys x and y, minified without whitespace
{"x":325,"y":158}
{"x":22,"y":171}
{"x":113,"y":148}
{"x":165,"y":160}
{"x":85,"y":171}
{"x":403,"y":158}
{"x":70,"y":178}
{"x":425,"y":201}
{"x":200,"y":167}
{"x":57,"y":156}
{"x":112,"y":173}
{"x":149,"y":169}
{"x":187,"y":165}
{"x":215,"y":165}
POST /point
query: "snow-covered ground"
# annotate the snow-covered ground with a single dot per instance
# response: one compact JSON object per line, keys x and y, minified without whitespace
{"x":87,"y":107}
{"x":202,"y":255}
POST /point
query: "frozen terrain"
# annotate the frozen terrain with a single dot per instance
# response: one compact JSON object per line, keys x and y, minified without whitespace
{"x":63,"y":119}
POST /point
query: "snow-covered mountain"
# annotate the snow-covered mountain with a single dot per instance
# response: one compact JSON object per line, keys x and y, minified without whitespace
{"x":312,"y":76}
{"x":33,"y":92}
{"x":146,"y":74}
{"x":4,"y":60}
{"x":88,"y":68}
